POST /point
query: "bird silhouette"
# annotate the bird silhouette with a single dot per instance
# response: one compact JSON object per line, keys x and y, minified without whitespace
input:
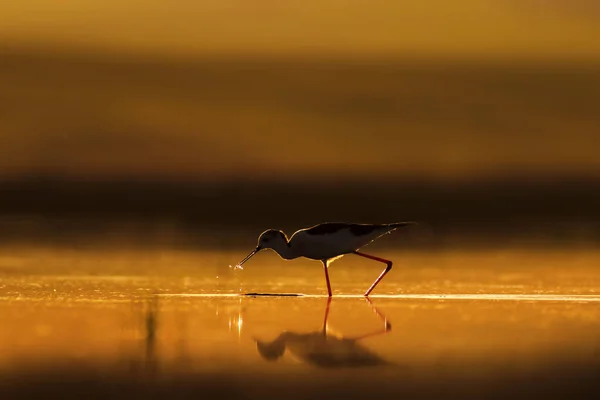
{"x":327,"y":242}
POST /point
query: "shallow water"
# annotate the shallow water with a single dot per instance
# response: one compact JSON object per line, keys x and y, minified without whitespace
{"x":467,"y":323}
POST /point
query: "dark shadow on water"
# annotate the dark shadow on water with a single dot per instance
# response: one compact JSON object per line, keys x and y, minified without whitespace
{"x":151,"y":327}
{"x":323,"y":349}
{"x":144,"y":361}
{"x":74,"y":381}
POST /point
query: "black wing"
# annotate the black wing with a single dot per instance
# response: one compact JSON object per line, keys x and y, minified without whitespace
{"x":327,"y":228}
{"x":355,"y":229}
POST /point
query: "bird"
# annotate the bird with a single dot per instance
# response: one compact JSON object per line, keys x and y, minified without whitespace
{"x":324,"y":349}
{"x":327,"y":242}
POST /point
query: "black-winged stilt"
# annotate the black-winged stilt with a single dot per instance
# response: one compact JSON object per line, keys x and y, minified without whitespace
{"x":326,"y":242}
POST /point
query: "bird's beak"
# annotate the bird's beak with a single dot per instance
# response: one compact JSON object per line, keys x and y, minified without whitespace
{"x":253,"y":252}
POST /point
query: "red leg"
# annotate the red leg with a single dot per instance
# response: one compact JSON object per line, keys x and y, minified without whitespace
{"x":387,"y":326}
{"x":327,"y":277}
{"x":326,"y":317}
{"x":387,"y":269}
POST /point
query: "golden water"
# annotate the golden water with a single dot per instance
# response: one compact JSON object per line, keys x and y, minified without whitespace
{"x":457,"y":318}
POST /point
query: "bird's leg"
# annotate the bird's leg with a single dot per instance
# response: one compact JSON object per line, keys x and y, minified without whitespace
{"x":387,"y":326}
{"x":326,"y":317}
{"x":327,"y":277}
{"x":387,"y":269}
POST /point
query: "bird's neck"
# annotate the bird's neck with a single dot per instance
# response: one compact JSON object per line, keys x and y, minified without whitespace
{"x":285,"y":250}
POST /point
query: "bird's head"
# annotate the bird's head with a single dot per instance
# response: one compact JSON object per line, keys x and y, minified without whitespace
{"x":271,"y":351}
{"x":269,"y":239}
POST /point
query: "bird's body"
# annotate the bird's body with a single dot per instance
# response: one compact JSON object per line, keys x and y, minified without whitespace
{"x":322,"y":350}
{"x":326,"y":242}
{"x":331,"y":240}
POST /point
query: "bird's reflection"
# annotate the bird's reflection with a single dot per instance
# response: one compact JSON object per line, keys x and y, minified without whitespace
{"x":144,"y":334}
{"x":149,"y":337}
{"x":323,"y":349}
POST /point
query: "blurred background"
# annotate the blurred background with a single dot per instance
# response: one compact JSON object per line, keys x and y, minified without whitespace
{"x":144,"y":145}
{"x":206,"y":122}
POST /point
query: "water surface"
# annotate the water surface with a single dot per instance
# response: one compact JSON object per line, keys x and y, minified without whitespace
{"x":468,"y":323}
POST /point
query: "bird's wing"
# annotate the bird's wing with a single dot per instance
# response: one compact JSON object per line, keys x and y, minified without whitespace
{"x":326,"y":227}
{"x":358,"y":230}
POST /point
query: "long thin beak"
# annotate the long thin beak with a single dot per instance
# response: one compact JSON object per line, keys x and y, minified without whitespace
{"x":253,"y":252}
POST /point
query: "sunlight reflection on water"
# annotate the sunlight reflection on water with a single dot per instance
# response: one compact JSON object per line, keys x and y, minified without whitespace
{"x":469,"y":314}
